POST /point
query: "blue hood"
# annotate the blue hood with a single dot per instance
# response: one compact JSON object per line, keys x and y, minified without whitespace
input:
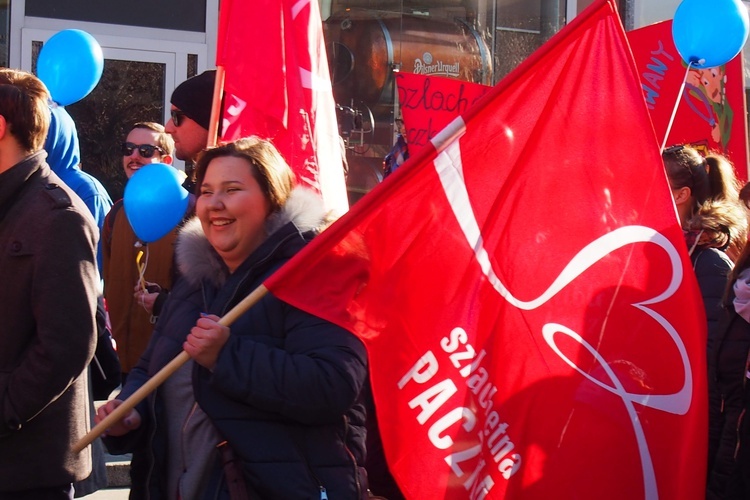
{"x":63,"y":151}
{"x":64,"y":158}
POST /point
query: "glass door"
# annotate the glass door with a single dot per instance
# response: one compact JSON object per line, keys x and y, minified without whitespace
{"x":135,"y":86}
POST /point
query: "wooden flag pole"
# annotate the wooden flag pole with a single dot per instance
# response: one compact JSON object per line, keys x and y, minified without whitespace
{"x":213,"y":122}
{"x":121,"y":411}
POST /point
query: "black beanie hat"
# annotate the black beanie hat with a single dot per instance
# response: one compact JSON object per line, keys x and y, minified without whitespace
{"x":194,"y":97}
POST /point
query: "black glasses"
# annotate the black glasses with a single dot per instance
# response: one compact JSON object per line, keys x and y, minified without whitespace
{"x":177,"y":117}
{"x":145,"y":150}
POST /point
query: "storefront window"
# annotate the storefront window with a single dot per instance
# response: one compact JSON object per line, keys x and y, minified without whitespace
{"x":370,"y":41}
{"x":186,"y":15}
{"x":521,"y":28}
{"x":128,"y":92}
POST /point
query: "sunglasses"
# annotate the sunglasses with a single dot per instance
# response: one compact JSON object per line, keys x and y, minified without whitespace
{"x":145,"y":150}
{"x":682,"y":162}
{"x":177,"y":117}
{"x":674,"y":149}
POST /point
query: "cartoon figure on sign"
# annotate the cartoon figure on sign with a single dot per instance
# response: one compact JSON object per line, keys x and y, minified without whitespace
{"x":706,"y":95}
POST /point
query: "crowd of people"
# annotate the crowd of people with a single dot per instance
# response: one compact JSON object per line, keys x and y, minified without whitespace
{"x":713,"y":211}
{"x":275,"y":405}
{"x":274,"y":410}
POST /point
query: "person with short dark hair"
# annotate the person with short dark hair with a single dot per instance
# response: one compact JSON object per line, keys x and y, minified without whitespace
{"x":48,"y":304}
{"x":190,"y":117}
{"x":64,"y":158}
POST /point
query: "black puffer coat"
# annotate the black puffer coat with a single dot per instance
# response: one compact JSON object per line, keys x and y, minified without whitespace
{"x":729,"y":399}
{"x":285,"y":391}
{"x":712,"y":268}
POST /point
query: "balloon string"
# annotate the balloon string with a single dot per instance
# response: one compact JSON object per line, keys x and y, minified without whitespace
{"x":676,"y":105}
{"x":142,"y":263}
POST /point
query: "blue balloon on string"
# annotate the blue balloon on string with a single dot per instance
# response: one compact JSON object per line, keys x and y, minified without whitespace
{"x":710,"y":33}
{"x":70,"y":64}
{"x":154,"y":201}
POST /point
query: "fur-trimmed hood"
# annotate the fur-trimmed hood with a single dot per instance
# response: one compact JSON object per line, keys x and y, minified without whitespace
{"x":198,"y":261}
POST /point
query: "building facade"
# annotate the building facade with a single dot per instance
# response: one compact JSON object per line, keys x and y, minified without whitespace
{"x":151,"y":46}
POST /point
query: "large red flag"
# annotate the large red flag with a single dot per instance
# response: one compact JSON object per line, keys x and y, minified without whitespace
{"x":534,"y":327}
{"x":277,"y":86}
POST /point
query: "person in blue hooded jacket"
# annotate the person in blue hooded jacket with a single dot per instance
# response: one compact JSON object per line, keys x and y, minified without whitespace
{"x":64,"y":158}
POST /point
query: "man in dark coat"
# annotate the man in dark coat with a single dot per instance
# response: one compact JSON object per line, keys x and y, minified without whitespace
{"x":47,"y":302}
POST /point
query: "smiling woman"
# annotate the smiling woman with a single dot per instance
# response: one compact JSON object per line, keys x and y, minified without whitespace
{"x":235,"y":200}
{"x":283,"y":390}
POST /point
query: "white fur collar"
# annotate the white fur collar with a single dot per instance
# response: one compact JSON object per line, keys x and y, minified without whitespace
{"x":197,"y":260}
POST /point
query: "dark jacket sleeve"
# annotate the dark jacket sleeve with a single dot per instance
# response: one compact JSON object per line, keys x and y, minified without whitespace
{"x":64,"y":300}
{"x":312,"y":375}
{"x":712,"y":268}
{"x":728,"y":403}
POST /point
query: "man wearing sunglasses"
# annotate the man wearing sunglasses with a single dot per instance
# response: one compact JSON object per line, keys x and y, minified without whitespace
{"x":191,"y":114}
{"x":146,"y":143}
{"x":132,"y":309}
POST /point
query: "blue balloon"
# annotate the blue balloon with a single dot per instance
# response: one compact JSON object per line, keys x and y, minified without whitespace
{"x":154,"y":201}
{"x":70,"y":64}
{"x":710,"y":33}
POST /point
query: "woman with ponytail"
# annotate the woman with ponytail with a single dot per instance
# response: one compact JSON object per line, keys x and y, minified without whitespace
{"x":714,"y":219}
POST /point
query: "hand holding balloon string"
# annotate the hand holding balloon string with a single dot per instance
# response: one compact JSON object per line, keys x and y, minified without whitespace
{"x":154,"y":203}
{"x":145,"y":292}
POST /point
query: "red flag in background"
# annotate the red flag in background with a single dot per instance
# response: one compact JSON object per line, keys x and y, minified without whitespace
{"x":429,"y":103}
{"x":277,"y":86}
{"x":533,"y":325}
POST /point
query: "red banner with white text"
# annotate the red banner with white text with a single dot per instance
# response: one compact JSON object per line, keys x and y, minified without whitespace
{"x":711,"y":112}
{"x":277,"y":86}
{"x":534,"y":327}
